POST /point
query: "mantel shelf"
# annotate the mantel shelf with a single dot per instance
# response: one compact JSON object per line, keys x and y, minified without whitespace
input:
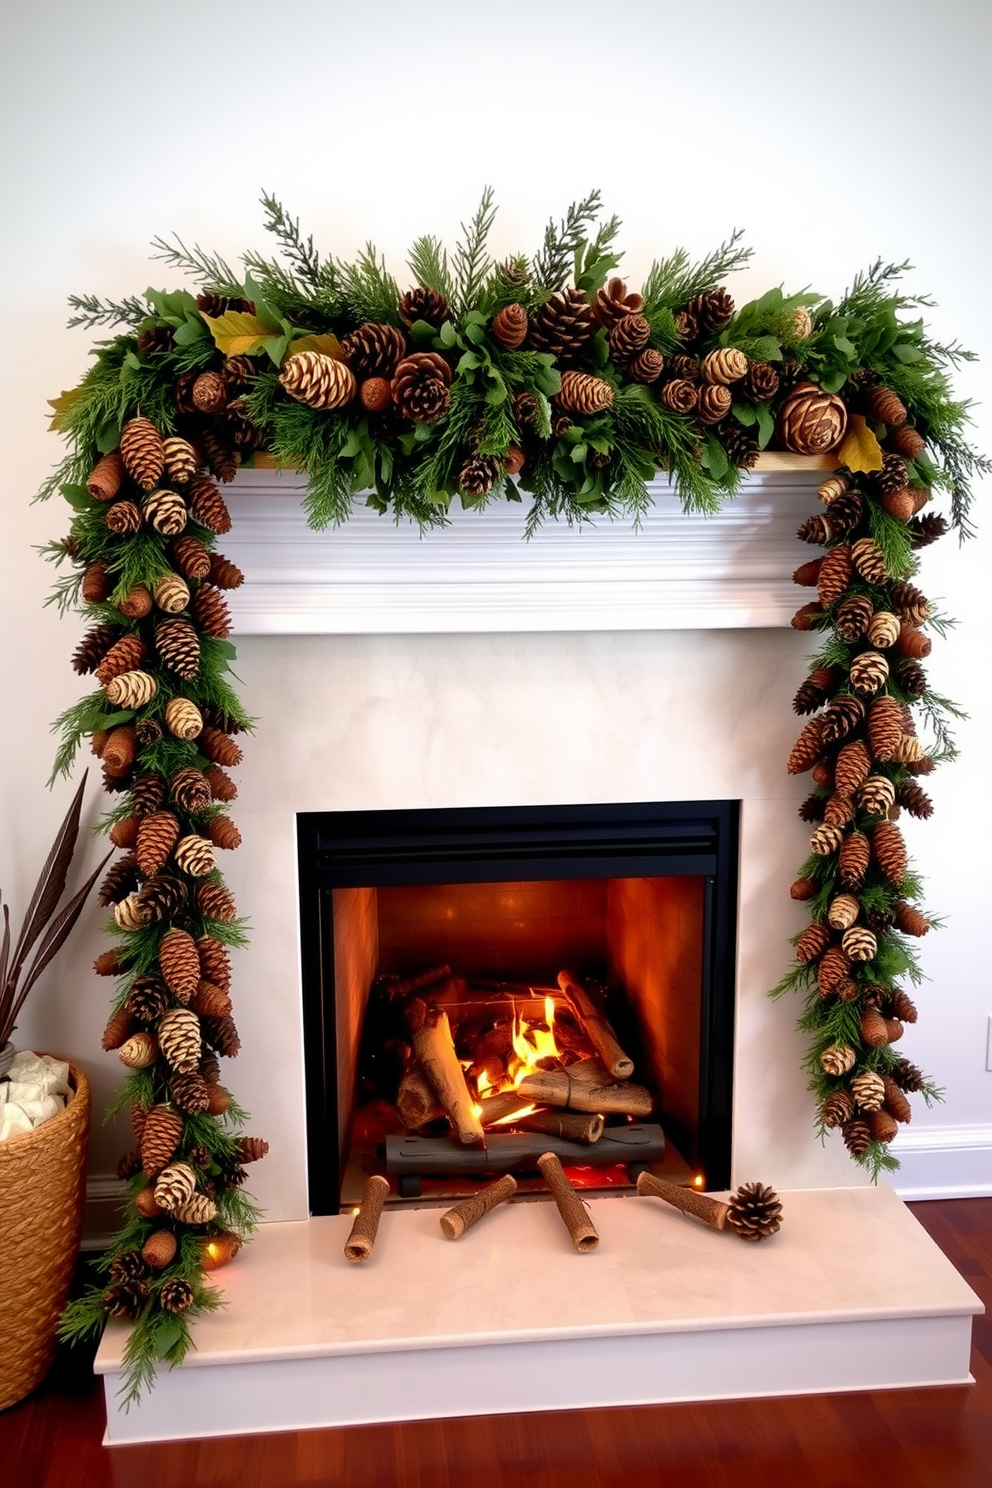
{"x":373,"y":577}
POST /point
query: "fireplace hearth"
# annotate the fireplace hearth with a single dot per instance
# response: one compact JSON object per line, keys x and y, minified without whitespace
{"x":534,"y":923}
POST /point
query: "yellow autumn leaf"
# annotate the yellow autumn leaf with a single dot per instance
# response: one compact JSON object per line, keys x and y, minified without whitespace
{"x":236,"y":333}
{"x":860,"y":449}
{"x":328,"y":344}
{"x":61,"y":406}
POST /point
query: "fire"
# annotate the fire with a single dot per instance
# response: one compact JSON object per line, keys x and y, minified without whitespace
{"x":532,"y":1044}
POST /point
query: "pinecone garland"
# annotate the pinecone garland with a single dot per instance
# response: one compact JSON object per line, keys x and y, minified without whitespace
{"x":373,"y":350}
{"x":913,"y":643}
{"x":142,"y":452}
{"x":525,"y":408}
{"x":119,"y":750}
{"x":895,"y":1101}
{"x":160,"y":1137}
{"x":874,"y":1032}
{"x":94,"y":648}
{"x":171,"y":594}
{"x":420,"y":387}
{"x":179,"y":962}
{"x":907,"y":1076}
{"x":847,"y":512}
{"x":826,"y":840}
{"x":137,"y":603}
{"x":755,"y":1212}
{"x":222,"y":459}
{"x":912,"y":678}
{"x":189,"y":789}
{"x":165,"y":511}
{"x":839,"y":810}
{"x":128,"y":1164}
{"x":96,"y":584}
{"x":812,"y":809}
{"x":562,"y":325}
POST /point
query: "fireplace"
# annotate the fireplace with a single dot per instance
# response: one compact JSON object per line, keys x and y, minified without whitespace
{"x":637,"y":901}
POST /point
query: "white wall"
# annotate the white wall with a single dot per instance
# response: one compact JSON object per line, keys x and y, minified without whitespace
{"x":833,"y":136}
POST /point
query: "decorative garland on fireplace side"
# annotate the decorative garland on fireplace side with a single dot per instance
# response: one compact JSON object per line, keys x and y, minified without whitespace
{"x":487,"y":379}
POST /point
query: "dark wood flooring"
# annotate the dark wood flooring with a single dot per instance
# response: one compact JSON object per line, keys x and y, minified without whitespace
{"x":939,"y":1438}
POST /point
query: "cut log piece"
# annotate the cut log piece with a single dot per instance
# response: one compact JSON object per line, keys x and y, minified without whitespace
{"x":601,"y":1035}
{"x":456,"y":1221}
{"x":497,"y":1107}
{"x":358,"y":1246}
{"x":574,"y":1214}
{"x":403,"y":986}
{"x":587,"y":1086}
{"x":434,"y":1047}
{"x":415,"y":1100}
{"x":574,"y":1126}
{"x":711,"y":1211}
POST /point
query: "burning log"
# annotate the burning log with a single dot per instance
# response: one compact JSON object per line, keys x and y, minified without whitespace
{"x":358,"y":1246}
{"x":586,"y":1086}
{"x":574,"y":1214}
{"x":574,"y":1126}
{"x":415,"y":1100}
{"x":519,"y":1151}
{"x":456,"y":1221}
{"x":601,"y":1035}
{"x":434,"y":1047}
{"x":496,"y":1107}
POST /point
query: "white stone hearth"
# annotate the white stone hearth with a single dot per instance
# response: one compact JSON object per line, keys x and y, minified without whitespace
{"x":852,"y":1294}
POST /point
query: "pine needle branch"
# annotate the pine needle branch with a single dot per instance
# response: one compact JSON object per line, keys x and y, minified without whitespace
{"x":92,"y":311}
{"x":208,"y":269}
{"x":471,"y":260}
{"x":553,"y":264}
{"x":673,"y":280}
{"x":428,"y":263}
{"x":303,"y":255}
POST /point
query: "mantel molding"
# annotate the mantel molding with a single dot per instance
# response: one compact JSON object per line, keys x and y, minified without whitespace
{"x":373,"y":577}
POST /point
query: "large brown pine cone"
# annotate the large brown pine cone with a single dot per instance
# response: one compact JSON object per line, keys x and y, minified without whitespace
{"x":222,"y":460}
{"x":424,"y":304}
{"x":373,"y":350}
{"x":162,"y":897}
{"x":158,"y":833}
{"x":583,"y":393}
{"x":841,"y":717}
{"x":106,"y":478}
{"x":712,"y":310}
{"x":94,"y":647}
{"x":219,"y":747}
{"x":148,"y":998}
{"x":811,"y":421}
{"x":715,"y":402}
{"x":142,"y":452}
{"x":846,"y":511}
{"x":121,"y":879}
{"x":317,"y":380}
{"x":910,"y":604}
{"x":853,"y":616}
{"x":215,"y":901}
{"x":125,"y":655}
{"x":857,"y":1136}
{"x":420,"y":387}
{"x":215,"y":962}
{"x":834,"y":575}
{"x":189,"y":1092}
{"x":807,"y":748}
{"x":207,"y":505}
{"x":210,"y":392}
{"x":853,"y":859}
{"x":613,"y":303}
{"x":890,"y":851}
{"x":178,"y":646}
{"x":222,"y":1034}
{"x":210,"y":611}
{"x":160,"y":1136}
{"x":562,"y":325}
{"x":815,"y":690}
{"x":179,"y":961}
{"x":894,"y":474}
{"x":190,"y":790}
{"x":755,"y":1211}
{"x":627,"y":337}
{"x":190,"y":556}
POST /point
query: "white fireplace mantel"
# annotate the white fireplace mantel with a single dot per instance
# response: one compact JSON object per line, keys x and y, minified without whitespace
{"x":372,"y":576}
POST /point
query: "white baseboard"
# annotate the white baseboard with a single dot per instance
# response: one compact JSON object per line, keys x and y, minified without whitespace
{"x":944,"y":1162}
{"x":103,"y":1215}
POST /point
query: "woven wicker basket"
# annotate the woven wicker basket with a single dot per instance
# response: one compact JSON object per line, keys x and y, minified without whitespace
{"x":42,"y":1189}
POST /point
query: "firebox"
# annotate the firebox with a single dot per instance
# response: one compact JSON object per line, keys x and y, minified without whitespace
{"x":484,"y":984}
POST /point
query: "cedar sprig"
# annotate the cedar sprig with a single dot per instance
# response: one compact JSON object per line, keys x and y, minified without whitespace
{"x":428,"y":263}
{"x":208,"y":269}
{"x":301,"y":254}
{"x":894,"y":540}
{"x":673,"y":280}
{"x":368,"y":290}
{"x":551,"y":267}
{"x":471,"y":258}
{"x":90,"y":310}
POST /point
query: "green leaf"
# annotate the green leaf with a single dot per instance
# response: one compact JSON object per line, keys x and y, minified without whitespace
{"x":468,"y":362}
{"x":78,"y":497}
{"x":264,"y":311}
{"x":276,"y":347}
{"x":905,"y":352}
{"x":189,"y":332}
{"x":745,"y":413}
{"x":843,"y":344}
{"x":475,"y":333}
{"x":579,"y":452}
{"x":714,"y":457}
{"x":447,"y":335}
{"x":766,"y":425}
{"x":496,"y":392}
{"x":422,"y":334}
{"x":767,"y":348}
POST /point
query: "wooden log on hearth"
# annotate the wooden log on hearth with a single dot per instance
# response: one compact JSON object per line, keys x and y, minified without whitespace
{"x":601,"y":1035}
{"x":454,"y":1222}
{"x":689,"y":1200}
{"x":575,"y":1216}
{"x":358,"y":1246}
{"x":433,"y":1045}
{"x":574,"y":1126}
{"x":587,"y":1086}
{"x":519,"y":1151}
{"x":415,"y":1099}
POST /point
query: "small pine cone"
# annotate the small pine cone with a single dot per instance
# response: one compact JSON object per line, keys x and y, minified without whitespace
{"x":882,"y":1126}
{"x":180,"y":459}
{"x":813,"y":942}
{"x":190,"y":556}
{"x":183,"y":718}
{"x":901,"y":1006}
{"x":158,"y":833}
{"x":913,"y":643}
{"x":140,"y":1051}
{"x":852,"y":766}
{"x":174,"y":1185}
{"x":210,"y":1002}
{"x":420,"y":387}
{"x":613,"y":303}
{"x":147,"y":731}
{"x":175,"y":1296}
{"x":125,"y":655}
{"x":890,"y":851}
{"x":478,"y":475}
{"x":833,"y":969}
{"x":834,"y":576}
{"x":211,"y":612}
{"x":142,"y":452}
{"x":907,"y":1076}
{"x":232,"y":1177}
{"x":898,"y":504}
{"x":739,"y":443}
{"x":887,"y":407}
{"x":885,"y":727}
{"x":815,"y":690}
{"x":179,"y":962}
{"x":874,"y":1031}
{"x":189,"y":789}
{"x":171,"y":594}
{"x":627,"y":337}
{"x":215,"y":902}
{"x":837,"y":1109}
{"x":178,"y":647}
{"x":725,"y":365}
{"x":807,"y":573}
{"x":514,"y":460}
{"x":179,"y":1039}
{"x":219,"y":747}
{"x":841,"y":717}
{"x":162,"y":897}
{"x":562,"y":325}
{"x":96,"y":585}
{"x":222,"y":787}
{"x":124,"y":518}
{"x":189,"y":1093}
{"x":147,"y":999}
{"x":915,"y":800}
{"x":869,"y":672}
{"x":121,"y":878}
{"x":847,"y":511}
{"x":251,"y":1149}
{"x":207,"y":506}
{"x":761,"y":382}
{"x":909,"y":604}
{"x":425,"y":304}
{"x":686,"y":325}
{"x":223,"y":833}
{"x":214,"y":962}
{"x":877,"y":795}
{"x":685,"y":367}
{"x":126,"y":1300}
{"x":839,"y":810}
{"x":119,"y":749}
{"x":853,"y":859}
{"x":812,"y":809}
{"x":319,"y":381}
{"x":219,"y":1100}
{"x":118,"y":1030}
{"x":808,"y":616}
{"x":137,"y":603}
{"x":210,"y":1068}
{"x":509,"y":327}
{"x":525,"y":409}
{"x":869,"y":560}
{"x":807,"y":748}
{"x":815,"y":530}
{"x":853,"y":617}
{"x":194,"y":855}
{"x":222,"y":1035}
{"x":165,"y":511}
{"x":222,"y":460}
{"x":910,"y":922}
{"x":907,"y":442}
{"x":843,"y":911}
{"x":131,"y":689}
{"x":714,"y":403}
{"x":881,"y":920}
{"x":883,"y":629}
{"x":94,"y":648}
{"x":372,"y":350}
{"x":223,"y":573}
{"x":584,"y":394}
{"x":895,"y":1101}
{"x":857,"y":1137}
{"x":129,"y":1265}
{"x":837,"y":1059}
{"x":160,"y":1137}
{"x":712,"y":310}
{"x":859,"y":943}
{"x":106,"y":478}
{"x":647,"y":366}
{"x":835,"y":485}
{"x":802,"y":889}
{"x":147,"y":792}
{"x":209,"y":393}
{"x":198,"y":1209}
{"x":755,"y":1212}
{"x":894,"y":474}
{"x":679,"y":395}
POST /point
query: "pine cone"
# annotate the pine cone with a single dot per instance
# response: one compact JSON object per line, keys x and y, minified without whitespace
{"x":811,"y":421}
{"x":194,"y":855}
{"x":711,"y":310}
{"x":127,"y":1300}
{"x":907,"y":442}
{"x":869,"y":560}
{"x":815,"y":690}
{"x":647,"y":366}
{"x":584,"y":394}
{"x":877,"y":795}
{"x":223,"y":833}
{"x":887,"y":407}
{"x":890,"y":851}
{"x":140,"y":1051}
{"x":826,"y":840}
{"x":883,"y":629}
{"x":761,"y":382}
{"x":319,"y":381}
{"x":843,"y":911}
{"x":686,"y":325}
{"x":812,"y":942}
{"x":901,"y":1006}
{"x":525,"y":409}
{"x":147,"y":793}
{"x":509,"y":327}
{"x":894,"y":474}
{"x":833,"y":969}
{"x":189,"y":1093}
{"x":627,"y":337}
{"x":175,"y":1296}
{"x":165,"y":511}
{"x":158,"y":833}
{"x":857,"y":1137}
{"x":210,"y":1068}
{"x":215,"y":902}
{"x":121,"y":878}
{"x":714,"y":402}
{"x":124,"y":655}
{"x":678,"y":395}
{"x":853,"y":617}
{"x":895,"y":1102}
{"x":147,"y":999}
{"x":839,"y":810}
{"x":726,"y":365}
{"x":222,"y":787}
{"x":161,"y":898}
{"x":131,"y":689}
{"x":755,"y":1212}
{"x":915,"y":800}
{"x":837,"y":1059}
{"x":251,"y":1149}
{"x":179,"y":961}
{"x":96,"y":583}
{"x":94,"y":648}
{"x":815,"y":530}
{"x":853,"y":859}
{"x":210,"y":1002}
{"x":222,"y":1035}
{"x":885,"y":727}
{"x":859,"y":943}
{"x":160,"y":1137}
{"x":147,"y":731}
{"x":214,"y":962}
{"x":190,"y":556}
{"x":183,"y":718}
{"x":847,"y":511}
{"x":834,"y":575}
{"x":124,"y":518}
{"x":198,"y":1209}
{"x":118,"y":1030}
{"x":910,"y":605}
{"x":613,"y":303}
{"x":424,"y":304}
{"x":180,"y":459}
{"x":913,"y":643}
{"x":120,"y":747}
{"x":837,"y":1109}
{"x":106,"y":478}
{"x":802,"y":889}
{"x":222,"y":460}
{"x":841,"y":717}
{"x":852,"y":766}
{"x":812,"y":809}
{"x":207,"y":506}
{"x":910,"y":922}
{"x":223,"y":573}
{"x":807,"y":748}
{"x":189,"y":789}
{"x":420,"y":387}
{"x":179,"y":1039}
{"x":142,"y":452}
{"x":739,"y":443}
{"x":562,"y":325}
{"x":128,"y":1266}
{"x":907,"y":1076}
{"x":211,"y":613}
{"x":175,"y":1185}
{"x":869,"y":672}
{"x":178,"y":647}
{"x":219,"y":747}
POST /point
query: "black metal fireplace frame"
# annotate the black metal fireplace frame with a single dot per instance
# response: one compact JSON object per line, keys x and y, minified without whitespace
{"x":352,"y":849}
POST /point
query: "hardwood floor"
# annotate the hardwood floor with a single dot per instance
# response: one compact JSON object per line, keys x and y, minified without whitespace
{"x":938,"y":1438}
